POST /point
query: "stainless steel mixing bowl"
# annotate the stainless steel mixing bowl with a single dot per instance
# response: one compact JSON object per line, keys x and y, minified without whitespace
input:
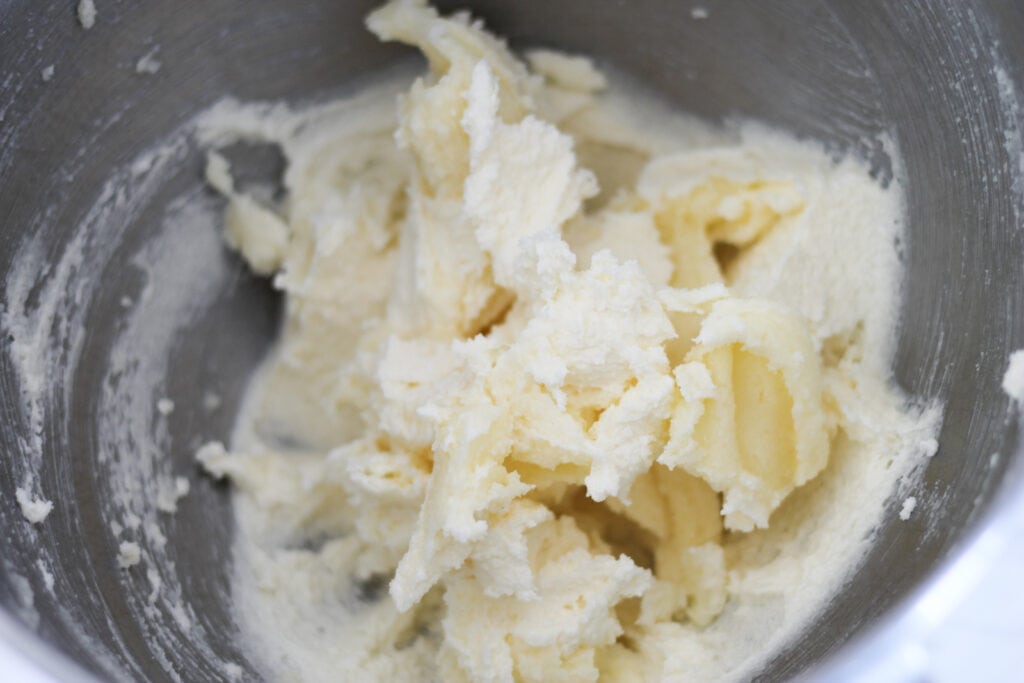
{"x":940,"y":78}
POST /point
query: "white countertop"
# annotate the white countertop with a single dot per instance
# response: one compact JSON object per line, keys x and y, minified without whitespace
{"x":983,"y":639}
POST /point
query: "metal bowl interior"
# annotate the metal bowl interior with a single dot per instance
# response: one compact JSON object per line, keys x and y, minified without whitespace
{"x":932,"y":80}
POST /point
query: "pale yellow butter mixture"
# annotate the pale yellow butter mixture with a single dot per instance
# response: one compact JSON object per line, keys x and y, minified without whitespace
{"x":544,"y":376}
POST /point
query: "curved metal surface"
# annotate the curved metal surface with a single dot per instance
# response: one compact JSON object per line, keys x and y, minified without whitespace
{"x":936,"y":78}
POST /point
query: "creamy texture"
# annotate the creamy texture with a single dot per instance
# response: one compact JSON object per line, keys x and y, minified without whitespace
{"x":560,"y":394}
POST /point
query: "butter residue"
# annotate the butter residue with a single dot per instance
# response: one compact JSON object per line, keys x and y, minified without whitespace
{"x":148,"y":63}
{"x":539,"y":401}
{"x":1013,"y":378}
{"x":129,"y":554}
{"x":34,"y":510}
{"x":86,"y":11}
